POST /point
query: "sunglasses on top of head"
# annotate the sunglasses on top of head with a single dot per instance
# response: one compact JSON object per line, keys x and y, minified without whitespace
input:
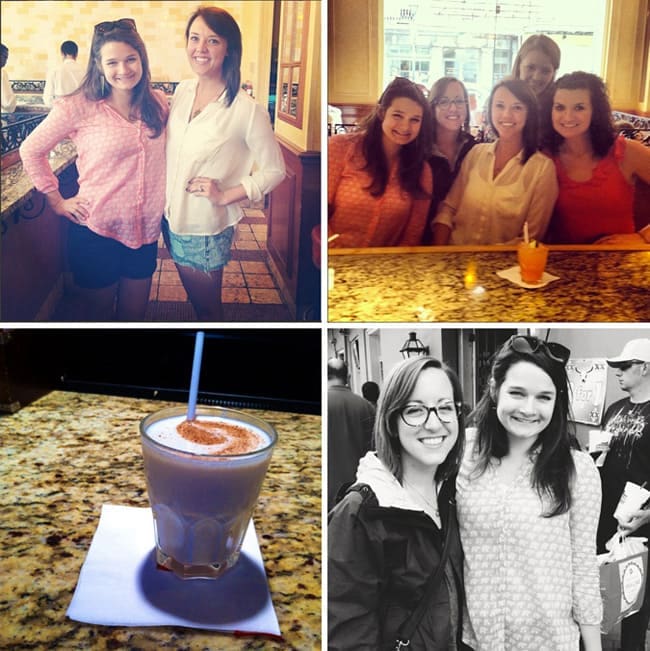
{"x":529,"y":344}
{"x":110,"y":25}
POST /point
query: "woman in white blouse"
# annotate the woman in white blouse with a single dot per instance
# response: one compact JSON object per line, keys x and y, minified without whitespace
{"x":528,"y":507}
{"x":216,"y":133}
{"x":503,"y":184}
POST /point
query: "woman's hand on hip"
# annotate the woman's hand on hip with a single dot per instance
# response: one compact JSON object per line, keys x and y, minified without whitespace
{"x":74,"y":208}
{"x":202,"y":186}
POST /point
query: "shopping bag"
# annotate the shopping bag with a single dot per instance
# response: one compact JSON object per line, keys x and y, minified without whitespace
{"x":622,"y":580}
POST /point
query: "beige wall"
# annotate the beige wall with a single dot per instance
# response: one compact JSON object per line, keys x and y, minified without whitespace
{"x":626,"y":55}
{"x":355,"y":51}
{"x":33,"y":32}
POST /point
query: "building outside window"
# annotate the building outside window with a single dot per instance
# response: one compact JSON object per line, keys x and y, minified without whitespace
{"x":477,"y":40}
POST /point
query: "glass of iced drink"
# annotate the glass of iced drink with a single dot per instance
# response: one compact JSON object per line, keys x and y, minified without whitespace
{"x":204,"y":478}
{"x":532,"y":258}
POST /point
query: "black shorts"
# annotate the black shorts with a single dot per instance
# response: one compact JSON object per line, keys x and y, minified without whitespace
{"x":97,"y":261}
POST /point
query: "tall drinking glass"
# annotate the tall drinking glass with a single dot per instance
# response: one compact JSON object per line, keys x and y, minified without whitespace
{"x":203,"y":479}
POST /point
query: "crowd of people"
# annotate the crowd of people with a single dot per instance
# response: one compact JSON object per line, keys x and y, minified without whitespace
{"x":480,"y":531}
{"x":148,"y":167}
{"x":550,"y":158}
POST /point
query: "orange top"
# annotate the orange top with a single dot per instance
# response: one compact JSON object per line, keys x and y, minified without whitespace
{"x":393,"y":219}
{"x":588,"y":210}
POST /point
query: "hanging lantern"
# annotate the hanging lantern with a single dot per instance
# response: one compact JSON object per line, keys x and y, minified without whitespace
{"x":413,"y":347}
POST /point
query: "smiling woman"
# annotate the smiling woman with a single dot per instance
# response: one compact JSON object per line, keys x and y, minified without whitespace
{"x":528,"y":506}
{"x":596,"y":169}
{"x":117,"y":123}
{"x":221,"y":149}
{"x":503,"y":185}
{"x":393,"y":538}
{"x":379,"y":185}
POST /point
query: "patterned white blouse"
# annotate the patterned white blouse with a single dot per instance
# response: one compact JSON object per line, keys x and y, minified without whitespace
{"x":529,"y":580}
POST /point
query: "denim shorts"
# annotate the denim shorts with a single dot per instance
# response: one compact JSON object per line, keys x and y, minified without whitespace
{"x":202,"y":252}
{"x":97,"y":261}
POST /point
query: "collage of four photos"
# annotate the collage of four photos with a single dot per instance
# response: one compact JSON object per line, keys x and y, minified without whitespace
{"x":325,"y":325}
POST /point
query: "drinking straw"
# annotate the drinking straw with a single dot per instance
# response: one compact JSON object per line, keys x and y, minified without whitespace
{"x":196,"y":371}
{"x":526,"y":232}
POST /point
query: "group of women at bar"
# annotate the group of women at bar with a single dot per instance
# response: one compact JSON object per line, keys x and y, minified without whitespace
{"x":146,"y":167}
{"x":414,"y":175}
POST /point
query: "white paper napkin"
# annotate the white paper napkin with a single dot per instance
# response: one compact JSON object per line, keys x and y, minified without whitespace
{"x":513,"y":274}
{"x":120,"y":585}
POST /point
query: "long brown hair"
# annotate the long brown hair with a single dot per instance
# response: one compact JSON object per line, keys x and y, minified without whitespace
{"x":554,"y":468}
{"x":144,"y":103}
{"x":412,"y":157}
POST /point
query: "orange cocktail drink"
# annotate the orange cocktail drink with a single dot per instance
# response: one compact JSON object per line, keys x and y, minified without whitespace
{"x":532,"y":258}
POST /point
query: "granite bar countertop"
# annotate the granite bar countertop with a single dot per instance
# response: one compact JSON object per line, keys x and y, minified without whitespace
{"x":596,"y":284}
{"x":16,"y":187}
{"x":66,"y":454}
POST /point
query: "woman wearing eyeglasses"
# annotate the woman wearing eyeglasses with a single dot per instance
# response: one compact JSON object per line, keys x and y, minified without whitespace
{"x":378,"y":183}
{"x":221,"y":149}
{"x":528,"y":507}
{"x":451,"y":139}
{"x":117,"y":123}
{"x":394,"y":551}
{"x":504,"y":184}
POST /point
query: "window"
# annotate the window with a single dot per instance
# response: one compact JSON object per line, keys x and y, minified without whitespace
{"x":484,"y":53}
{"x":293,"y":54}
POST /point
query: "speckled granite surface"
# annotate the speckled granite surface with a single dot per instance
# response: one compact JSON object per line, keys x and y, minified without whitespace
{"x":594,"y":286}
{"x":16,"y":187}
{"x":66,"y":454}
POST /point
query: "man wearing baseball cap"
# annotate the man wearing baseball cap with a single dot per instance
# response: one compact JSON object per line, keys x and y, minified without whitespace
{"x":628,"y":459}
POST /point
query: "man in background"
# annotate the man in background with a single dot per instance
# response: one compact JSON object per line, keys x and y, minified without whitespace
{"x":7,"y":95}
{"x":370,"y":391}
{"x":350,"y":419}
{"x":66,"y":77}
{"x":628,"y":460}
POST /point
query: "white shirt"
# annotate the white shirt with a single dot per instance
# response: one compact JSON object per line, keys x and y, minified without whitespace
{"x":481,"y":209}
{"x":7,"y":95}
{"x":223,"y":143}
{"x":62,"y":80}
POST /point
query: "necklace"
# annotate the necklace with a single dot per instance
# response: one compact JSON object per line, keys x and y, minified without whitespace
{"x":431,"y":506}
{"x":200,"y":106}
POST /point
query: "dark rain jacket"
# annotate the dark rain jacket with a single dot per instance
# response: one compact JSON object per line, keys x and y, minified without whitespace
{"x":381,"y":553}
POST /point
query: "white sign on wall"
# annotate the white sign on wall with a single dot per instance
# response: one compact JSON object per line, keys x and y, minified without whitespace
{"x":588,"y":384}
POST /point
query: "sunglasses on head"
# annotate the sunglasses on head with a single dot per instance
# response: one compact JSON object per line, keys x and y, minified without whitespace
{"x":110,"y":25}
{"x":528,"y":344}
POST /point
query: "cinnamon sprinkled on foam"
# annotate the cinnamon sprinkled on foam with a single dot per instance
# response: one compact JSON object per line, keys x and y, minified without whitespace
{"x":232,"y":439}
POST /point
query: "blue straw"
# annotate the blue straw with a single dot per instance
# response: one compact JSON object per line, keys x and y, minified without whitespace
{"x":196,"y":371}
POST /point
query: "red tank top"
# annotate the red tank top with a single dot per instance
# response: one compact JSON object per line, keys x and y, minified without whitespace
{"x":588,"y":210}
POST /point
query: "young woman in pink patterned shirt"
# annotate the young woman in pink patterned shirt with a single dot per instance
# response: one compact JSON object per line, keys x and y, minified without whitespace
{"x":117,"y":123}
{"x":528,"y":507}
{"x":379,"y":184}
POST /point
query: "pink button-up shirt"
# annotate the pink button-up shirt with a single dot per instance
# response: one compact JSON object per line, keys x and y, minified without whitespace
{"x":121,"y":168}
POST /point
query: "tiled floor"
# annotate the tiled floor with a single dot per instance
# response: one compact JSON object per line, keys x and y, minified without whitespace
{"x":249,"y":293}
